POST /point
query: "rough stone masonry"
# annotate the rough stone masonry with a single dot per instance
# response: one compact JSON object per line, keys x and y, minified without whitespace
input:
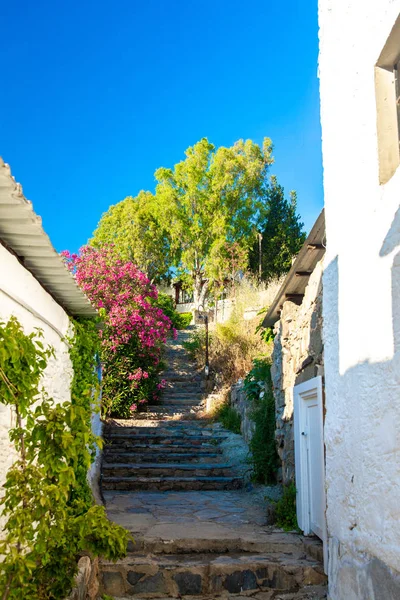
{"x":297,"y":357}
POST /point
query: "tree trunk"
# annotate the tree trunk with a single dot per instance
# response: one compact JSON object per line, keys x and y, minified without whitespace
{"x":200,"y":292}
{"x":203,"y":294}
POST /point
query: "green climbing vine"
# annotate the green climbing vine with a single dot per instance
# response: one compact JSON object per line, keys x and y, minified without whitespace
{"x":84,"y":346}
{"x":50,"y":519}
{"x":258,"y":388}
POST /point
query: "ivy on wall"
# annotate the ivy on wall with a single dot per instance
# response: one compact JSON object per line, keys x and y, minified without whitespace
{"x":51,"y":517}
{"x":83,"y":348}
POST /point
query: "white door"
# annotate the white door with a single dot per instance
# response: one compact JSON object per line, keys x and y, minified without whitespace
{"x":310,"y":458}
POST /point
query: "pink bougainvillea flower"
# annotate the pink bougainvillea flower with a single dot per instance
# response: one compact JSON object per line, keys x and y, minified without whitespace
{"x":134,"y":328}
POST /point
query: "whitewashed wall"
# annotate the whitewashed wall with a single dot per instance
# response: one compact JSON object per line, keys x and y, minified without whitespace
{"x":21,"y":295}
{"x":17,"y":282}
{"x":361,"y":308}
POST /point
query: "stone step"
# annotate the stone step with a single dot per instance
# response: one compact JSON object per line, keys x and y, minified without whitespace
{"x":208,"y":537}
{"x":173,"y":398}
{"x":310,"y":592}
{"x":171,"y":408}
{"x":181,"y":376}
{"x":160,"y":438}
{"x":160,"y":455}
{"x":166,"y":470}
{"x":180,"y":401}
{"x":176,"y":400}
{"x":181,"y":392}
{"x":151,"y":576}
{"x":199,"y":450}
{"x":194,"y":384}
{"x":170,"y":483}
{"x":189,"y":428}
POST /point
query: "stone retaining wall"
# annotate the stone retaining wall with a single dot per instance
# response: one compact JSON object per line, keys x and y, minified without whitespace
{"x":242,"y":406}
{"x":297,"y":357}
{"x":87,"y":580}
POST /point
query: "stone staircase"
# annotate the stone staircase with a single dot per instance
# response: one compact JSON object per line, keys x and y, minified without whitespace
{"x":169,"y":456}
{"x":165,"y":449}
{"x":196,"y":533}
{"x":183,"y":393}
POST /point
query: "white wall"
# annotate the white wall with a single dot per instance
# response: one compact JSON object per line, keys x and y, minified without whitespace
{"x":16,"y":281}
{"x":361,"y":308}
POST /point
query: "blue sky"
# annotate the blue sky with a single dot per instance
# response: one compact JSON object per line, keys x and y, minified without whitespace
{"x":96,"y":95}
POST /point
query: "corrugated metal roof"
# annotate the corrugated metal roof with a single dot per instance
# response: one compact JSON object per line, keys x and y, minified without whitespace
{"x":296,"y":280}
{"x":21,"y":230}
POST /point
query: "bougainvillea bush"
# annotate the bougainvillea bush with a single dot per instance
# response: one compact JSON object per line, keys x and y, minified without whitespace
{"x":134,"y":329}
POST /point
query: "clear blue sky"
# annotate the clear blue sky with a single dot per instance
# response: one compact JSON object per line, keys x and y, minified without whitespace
{"x":96,"y":95}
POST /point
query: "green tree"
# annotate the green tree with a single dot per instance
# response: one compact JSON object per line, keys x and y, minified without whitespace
{"x":282,"y":234}
{"x":210,"y":199}
{"x":137,"y":234}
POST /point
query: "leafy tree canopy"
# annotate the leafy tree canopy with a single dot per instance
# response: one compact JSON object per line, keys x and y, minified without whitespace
{"x":282,"y":233}
{"x":203,"y":220}
{"x":210,"y":201}
{"x":132,"y":227}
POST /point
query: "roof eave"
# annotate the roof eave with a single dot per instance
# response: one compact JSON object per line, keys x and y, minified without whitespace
{"x":21,"y":232}
{"x":310,"y":254}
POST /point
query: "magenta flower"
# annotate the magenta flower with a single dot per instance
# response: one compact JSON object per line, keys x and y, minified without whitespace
{"x":133,"y":328}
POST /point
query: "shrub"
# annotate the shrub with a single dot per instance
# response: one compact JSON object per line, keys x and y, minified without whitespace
{"x":51,"y":519}
{"x":178,"y":320}
{"x":134,"y":327}
{"x":285,"y":509}
{"x":184,"y":320}
{"x":228,"y":416}
{"x":258,"y":388}
{"x":196,"y":346}
{"x":237,"y":341}
{"x":166,"y":304}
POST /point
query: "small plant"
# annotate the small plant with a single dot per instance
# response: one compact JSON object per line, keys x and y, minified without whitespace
{"x":258,"y":388}
{"x":257,"y":379}
{"x":184,"y":320}
{"x":196,"y":345}
{"x":228,"y":416}
{"x":266,"y":333}
{"x":166,"y":304}
{"x":285,"y":509}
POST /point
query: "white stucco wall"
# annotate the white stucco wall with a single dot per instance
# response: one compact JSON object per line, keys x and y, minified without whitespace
{"x":16,"y":281}
{"x":361,"y":308}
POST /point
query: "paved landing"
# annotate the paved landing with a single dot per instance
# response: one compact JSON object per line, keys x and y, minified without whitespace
{"x":197,"y":521}
{"x":227,"y":509}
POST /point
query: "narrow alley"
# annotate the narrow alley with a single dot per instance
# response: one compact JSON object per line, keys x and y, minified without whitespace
{"x":198,"y":532}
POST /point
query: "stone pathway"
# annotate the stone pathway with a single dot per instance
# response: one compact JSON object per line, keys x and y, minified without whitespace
{"x":197,"y":533}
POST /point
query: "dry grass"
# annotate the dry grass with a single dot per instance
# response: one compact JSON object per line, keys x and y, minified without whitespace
{"x":233,"y":347}
{"x":235,"y":343}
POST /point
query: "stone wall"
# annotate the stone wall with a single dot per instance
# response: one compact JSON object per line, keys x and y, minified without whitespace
{"x":297,"y":357}
{"x":87,"y":580}
{"x":240,"y":403}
